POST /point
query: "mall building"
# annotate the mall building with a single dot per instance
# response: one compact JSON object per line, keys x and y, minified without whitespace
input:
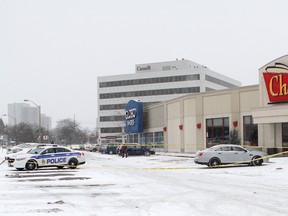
{"x":151,"y":83}
{"x":258,"y":114}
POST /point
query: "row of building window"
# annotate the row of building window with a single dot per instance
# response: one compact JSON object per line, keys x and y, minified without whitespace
{"x":218,"y":131}
{"x":111,"y":130}
{"x":112,"y":118}
{"x":150,"y":92}
{"x":219,"y":81}
{"x":149,"y":81}
{"x":120,"y":106}
{"x":143,"y":138}
{"x":147,"y":138}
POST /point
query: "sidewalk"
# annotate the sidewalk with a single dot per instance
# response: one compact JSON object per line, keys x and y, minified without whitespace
{"x":176,"y":154}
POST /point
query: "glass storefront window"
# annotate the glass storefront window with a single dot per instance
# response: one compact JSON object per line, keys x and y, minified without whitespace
{"x":133,"y":138}
{"x":250,"y":131}
{"x":148,"y":137}
{"x":285,"y":135}
{"x":217,"y":131}
{"x":159,"y":139}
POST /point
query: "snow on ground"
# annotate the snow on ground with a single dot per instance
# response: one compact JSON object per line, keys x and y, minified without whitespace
{"x":162,"y":184}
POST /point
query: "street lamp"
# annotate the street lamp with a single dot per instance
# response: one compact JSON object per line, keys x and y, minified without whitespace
{"x":15,"y":121}
{"x":39,"y":109}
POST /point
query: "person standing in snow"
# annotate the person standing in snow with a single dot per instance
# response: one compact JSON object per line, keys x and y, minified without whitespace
{"x":124,"y":151}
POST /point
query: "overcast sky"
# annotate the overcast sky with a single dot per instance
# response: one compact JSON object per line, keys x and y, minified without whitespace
{"x":52,"y":51}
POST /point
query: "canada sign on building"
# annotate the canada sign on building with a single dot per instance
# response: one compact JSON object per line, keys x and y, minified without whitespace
{"x":134,"y":117}
{"x":276,"y":81}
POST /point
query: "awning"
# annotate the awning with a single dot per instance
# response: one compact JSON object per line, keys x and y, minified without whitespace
{"x":271,"y":114}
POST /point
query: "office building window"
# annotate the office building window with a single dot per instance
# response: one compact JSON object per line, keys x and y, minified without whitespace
{"x":111,"y":130}
{"x":149,"y":81}
{"x":150,"y":92}
{"x":219,"y":81}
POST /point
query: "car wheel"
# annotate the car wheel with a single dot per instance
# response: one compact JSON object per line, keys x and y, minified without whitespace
{"x":31,"y":165}
{"x":147,"y":153}
{"x":214,"y":162}
{"x":110,"y":152}
{"x":73,"y":163}
{"x":256,"y":162}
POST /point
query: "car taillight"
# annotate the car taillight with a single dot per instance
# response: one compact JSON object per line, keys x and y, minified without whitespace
{"x":82,"y":154}
{"x":200,"y":154}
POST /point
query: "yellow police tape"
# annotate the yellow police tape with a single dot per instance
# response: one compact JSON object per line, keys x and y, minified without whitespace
{"x":73,"y":166}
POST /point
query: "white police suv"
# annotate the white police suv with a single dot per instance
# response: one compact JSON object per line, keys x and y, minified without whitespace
{"x":47,"y":156}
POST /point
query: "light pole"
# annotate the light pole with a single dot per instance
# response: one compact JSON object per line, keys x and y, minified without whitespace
{"x":39,"y":109}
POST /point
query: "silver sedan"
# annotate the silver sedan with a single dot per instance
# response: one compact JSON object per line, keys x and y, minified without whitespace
{"x":229,"y":154}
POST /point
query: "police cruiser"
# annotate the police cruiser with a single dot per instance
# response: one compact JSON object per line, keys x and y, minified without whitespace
{"x":47,"y":156}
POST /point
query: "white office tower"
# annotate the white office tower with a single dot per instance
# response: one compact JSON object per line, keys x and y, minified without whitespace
{"x":152,"y":83}
{"x":23,"y":112}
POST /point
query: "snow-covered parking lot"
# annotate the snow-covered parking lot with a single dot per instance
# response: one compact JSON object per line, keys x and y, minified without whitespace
{"x":158,"y":185}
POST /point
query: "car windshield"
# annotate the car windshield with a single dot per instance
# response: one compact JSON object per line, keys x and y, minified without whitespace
{"x":36,"y":150}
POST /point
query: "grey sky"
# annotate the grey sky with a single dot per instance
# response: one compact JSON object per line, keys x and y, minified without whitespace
{"x":51,"y":51}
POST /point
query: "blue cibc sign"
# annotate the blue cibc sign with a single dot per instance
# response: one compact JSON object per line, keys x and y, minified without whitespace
{"x":134,"y":117}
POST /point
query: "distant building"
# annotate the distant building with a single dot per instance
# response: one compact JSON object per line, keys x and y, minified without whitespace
{"x":23,"y":112}
{"x":152,"y":83}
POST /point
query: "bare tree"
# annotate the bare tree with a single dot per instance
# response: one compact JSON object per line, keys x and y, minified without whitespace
{"x":2,"y":126}
{"x":68,"y":131}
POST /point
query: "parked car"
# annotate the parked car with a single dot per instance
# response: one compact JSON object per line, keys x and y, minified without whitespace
{"x":77,"y":147}
{"x":229,"y":154}
{"x":23,"y":148}
{"x":139,"y":150}
{"x":47,"y":156}
{"x":103,"y":148}
{"x":88,"y":147}
{"x":96,"y":147}
{"x":112,"y":148}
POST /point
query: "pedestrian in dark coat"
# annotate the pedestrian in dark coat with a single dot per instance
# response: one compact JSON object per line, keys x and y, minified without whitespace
{"x":124,"y":151}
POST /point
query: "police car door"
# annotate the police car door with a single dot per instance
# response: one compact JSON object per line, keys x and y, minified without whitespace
{"x":63,"y":155}
{"x":47,"y":157}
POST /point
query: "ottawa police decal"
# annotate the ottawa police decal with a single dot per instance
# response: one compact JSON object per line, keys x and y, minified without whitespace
{"x":56,"y":160}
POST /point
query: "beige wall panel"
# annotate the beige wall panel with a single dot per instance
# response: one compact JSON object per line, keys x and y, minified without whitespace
{"x":249,"y":100}
{"x":174,"y":110}
{"x":190,"y":107}
{"x":174,"y":135}
{"x":155,"y":117}
{"x":190,"y":134}
{"x":217,"y":104}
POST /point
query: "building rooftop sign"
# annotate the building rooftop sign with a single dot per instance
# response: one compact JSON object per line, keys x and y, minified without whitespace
{"x":276,"y":81}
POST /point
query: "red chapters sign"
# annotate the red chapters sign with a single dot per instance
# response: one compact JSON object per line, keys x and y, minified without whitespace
{"x":276,"y":85}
